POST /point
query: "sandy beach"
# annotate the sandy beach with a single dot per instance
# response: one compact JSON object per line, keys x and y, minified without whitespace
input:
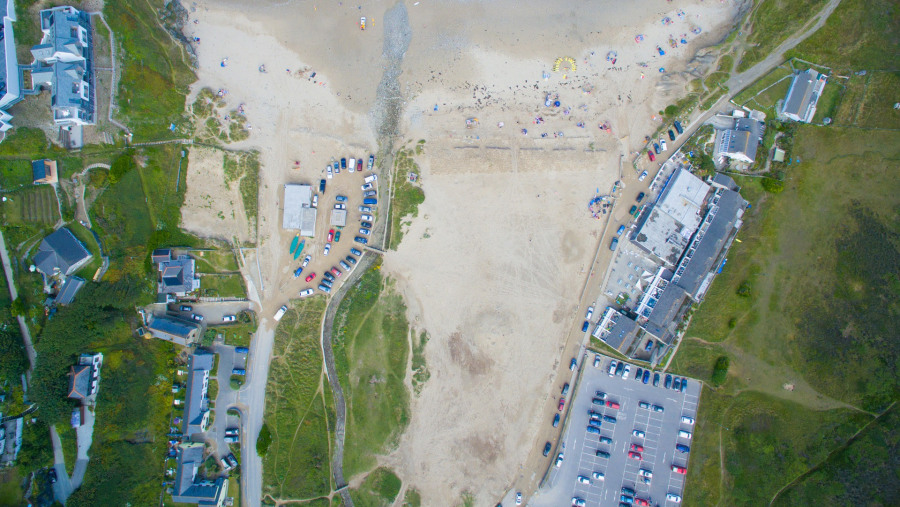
{"x":493,"y":266}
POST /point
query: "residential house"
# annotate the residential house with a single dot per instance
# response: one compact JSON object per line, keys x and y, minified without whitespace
{"x":84,"y":377}
{"x":741,"y":141}
{"x":69,"y":288}
{"x":44,"y":172}
{"x":189,"y":486}
{"x":176,"y":276}
{"x":196,"y":403}
{"x":10,"y":76}
{"x":800,"y":102}
{"x":174,"y":330}
{"x":61,"y":254}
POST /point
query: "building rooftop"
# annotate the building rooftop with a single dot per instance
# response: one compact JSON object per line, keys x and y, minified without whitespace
{"x":196,"y":404}
{"x":80,"y":381}
{"x":10,"y":75}
{"x":623,"y":328}
{"x":174,"y":330}
{"x":298,"y":213}
{"x":176,"y":276}
{"x":683,"y":197}
{"x":61,"y":252}
{"x":66,"y":294}
{"x":801,"y":96}
{"x":189,"y":486}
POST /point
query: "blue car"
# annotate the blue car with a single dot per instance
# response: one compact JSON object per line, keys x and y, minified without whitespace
{"x":609,"y":419}
{"x":241,"y":350}
{"x":683,"y":385}
{"x":584,"y":327}
{"x":677,"y":126}
{"x":321,"y":185}
{"x":298,"y":271}
{"x":682,"y":448}
{"x":343,"y":163}
{"x":656,"y":148}
{"x":621,"y":230}
{"x":646,"y":378}
{"x":341,"y":198}
{"x":361,"y":240}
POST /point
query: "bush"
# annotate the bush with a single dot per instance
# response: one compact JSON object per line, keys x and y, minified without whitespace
{"x":744,"y":289}
{"x":263,"y":441}
{"x":121,"y":166}
{"x":772,"y":185}
{"x":720,"y":370}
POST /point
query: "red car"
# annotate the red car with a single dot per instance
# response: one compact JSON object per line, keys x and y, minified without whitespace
{"x":637,"y":447}
{"x":330,"y":235}
{"x":310,"y":277}
{"x":335,"y":271}
{"x":562,"y":403}
{"x":651,"y":155}
{"x":634,"y":455}
{"x":641,"y":502}
{"x":678,"y":469}
{"x":612,"y":404}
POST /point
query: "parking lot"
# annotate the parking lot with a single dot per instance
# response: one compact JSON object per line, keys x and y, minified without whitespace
{"x":649,"y":472}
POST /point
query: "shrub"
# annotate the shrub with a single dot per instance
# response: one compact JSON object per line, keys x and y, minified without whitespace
{"x":772,"y":185}
{"x":744,"y":289}
{"x":121,"y":166}
{"x":263,"y":440}
{"x":720,"y":370}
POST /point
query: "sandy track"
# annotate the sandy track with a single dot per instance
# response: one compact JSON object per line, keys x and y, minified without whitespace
{"x":213,"y":208}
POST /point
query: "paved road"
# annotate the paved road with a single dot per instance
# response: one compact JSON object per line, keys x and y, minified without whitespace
{"x":251,"y":398}
{"x":11,"y":282}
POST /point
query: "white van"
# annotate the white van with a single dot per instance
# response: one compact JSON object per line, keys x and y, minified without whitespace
{"x":280,"y":313}
{"x":351,"y":165}
{"x":684,"y":434}
{"x":370,"y":178}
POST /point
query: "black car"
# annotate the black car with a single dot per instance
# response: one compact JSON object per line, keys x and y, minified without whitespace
{"x":619,"y":369}
{"x":343,"y":163}
{"x":51,"y":474}
{"x":668,"y":383}
{"x":641,"y":196}
{"x":676,"y":384}
{"x":555,"y":422}
{"x":367,"y":225}
{"x":677,"y":126}
{"x":565,"y":389}
{"x":637,"y":376}
{"x":321,"y":185}
{"x":361,"y":240}
{"x":602,"y":454}
{"x":632,"y":210}
{"x":671,"y":135}
{"x":547,"y":448}
{"x":683,"y":385}
{"x":656,"y":380}
{"x":350,"y":259}
{"x":627,"y":490}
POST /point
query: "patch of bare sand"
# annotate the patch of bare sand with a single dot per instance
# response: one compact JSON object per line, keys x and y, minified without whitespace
{"x":212,"y":208}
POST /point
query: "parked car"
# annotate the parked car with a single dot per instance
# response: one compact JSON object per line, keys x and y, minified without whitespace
{"x":351,"y":166}
{"x":641,"y":502}
{"x":238,"y":371}
{"x":637,"y":447}
{"x":559,"y":460}
{"x":677,"y":125}
{"x":370,"y":178}
{"x":367,"y":186}
{"x":367,"y":218}
{"x":335,"y":271}
{"x":644,"y":405}
{"x":555,"y":421}
{"x":648,"y":346}
{"x":356,"y":252}
{"x":642,"y":176}
{"x":601,"y":395}
{"x":626,"y":500}
{"x":672,"y":497}
{"x":684,"y":434}
{"x":322,"y":186}
{"x":640,"y":197}
{"x":327,"y":248}
{"x":609,"y":419}
{"x":337,"y":236}
{"x":620,"y":368}
{"x":656,"y":380}
{"x":370,"y":193}
{"x":633,"y":209}
{"x":638,"y":433}
{"x":324,"y":288}
{"x":573,"y":364}
{"x":367,"y":225}
{"x":606,"y":440}
{"x":657,"y":408}
{"x":340,"y":206}
{"x":305,"y":261}
{"x":598,"y":401}
{"x":327,"y":282}
{"x":518,"y":498}
{"x":682,"y":448}
{"x":310,"y":277}
{"x":626,"y":372}
{"x":613,"y":405}
{"x":344,"y":265}
{"x":365,"y":232}
{"x":651,"y":155}
{"x":596,"y":360}
{"x":565,"y":389}
{"x":343,"y":163}
{"x":371,"y":201}
{"x":683,"y":385}
{"x":668,"y":382}
{"x":315,"y":201}
{"x":562,"y":403}
{"x":634,"y":455}
{"x":590,"y":313}
{"x":187,"y":308}
{"x":242,"y":350}
{"x":229,"y":318}
{"x":547,"y":448}
{"x":598,"y":476}
{"x":656,"y":148}
{"x":340,"y":198}
{"x":676,"y":384}
{"x":51,"y":474}
{"x":360,"y":240}
{"x":306,"y":292}
{"x":578,"y":502}
{"x":602,"y":454}
{"x":613,"y":244}
{"x":612,"y":367}
{"x":328,"y":276}
{"x":645,"y":473}
{"x":679,"y":470}
{"x":198,"y":318}
{"x":584,"y":326}
{"x":627,"y":491}
{"x":662,"y":144}
{"x":365,"y":209}
{"x":350,"y":259}
{"x":637,"y":375}
{"x":620,"y":230}
{"x":646,"y":378}
{"x":671,"y":135}
{"x":584,"y":480}
{"x":281,"y":311}
{"x":593,"y":429}
{"x":330,"y":236}
{"x":687,"y":420}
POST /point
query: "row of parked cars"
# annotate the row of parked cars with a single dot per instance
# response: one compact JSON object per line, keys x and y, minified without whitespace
{"x":661,"y":145}
{"x":617,"y":368}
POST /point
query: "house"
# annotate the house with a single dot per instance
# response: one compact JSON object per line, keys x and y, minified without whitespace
{"x":84,"y":377}
{"x":739,"y":142}
{"x":11,"y":440}
{"x":176,"y":276}
{"x":174,"y":330}
{"x":44,"y":172}
{"x":298,"y":211}
{"x":61,"y":253}
{"x":10,"y":76}
{"x":70,"y":287}
{"x":189,"y":486}
{"x":616,"y":329}
{"x":196,"y":404}
{"x":800,"y":102}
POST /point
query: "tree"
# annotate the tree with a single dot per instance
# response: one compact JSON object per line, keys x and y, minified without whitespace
{"x":720,"y":370}
{"x":121,"y":166}
{"x":772,"y":185}
{"x":263,"y":440}
{"x":17,"y":308}
{"x":671,"y":110}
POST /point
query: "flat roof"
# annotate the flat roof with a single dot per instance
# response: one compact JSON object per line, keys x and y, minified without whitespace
{"x":339,"y":217}
{"x":683,"y":197}
{"x":623,"y":328}
{"x":662,"y":236}
{"x":298,"y":214}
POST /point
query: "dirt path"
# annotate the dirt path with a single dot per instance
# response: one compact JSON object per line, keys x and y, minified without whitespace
{"x":23,"y":327}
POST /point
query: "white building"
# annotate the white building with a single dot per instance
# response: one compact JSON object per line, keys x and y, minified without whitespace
{"x":298,"y":211}
{"x":10,"y":77}
{"x":802,"y":96}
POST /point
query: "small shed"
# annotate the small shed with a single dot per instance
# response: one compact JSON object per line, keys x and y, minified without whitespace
{"x":338,"y":217}
{"x":779,"y":155}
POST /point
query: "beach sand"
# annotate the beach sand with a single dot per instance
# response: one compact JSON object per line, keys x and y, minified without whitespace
{"x":493,"y":266}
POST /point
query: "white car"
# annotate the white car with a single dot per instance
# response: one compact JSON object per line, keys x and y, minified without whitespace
{"x":642,"y":176}
{"x":590,"y":313}
{"x":315,"y":201}
{"x":687,"y":420}
{"x":518,"y":498}
{"x":365,"y":232}
{"x":351,"y":165}
{"x":577,"y":502}
{"x":229,"y":318}
{"x":340,"y":206}
{"x":612,"y":367}
{"x":672,"y":497}
{"x":370,"y":178}
{"x":662,"y":145}
{"x":584,"y":480}
{"x":306,"y":261}
{"x":626,"y":372}
{"x":365,"y":209}
{"x":597,"y":361}
{"x":306,"y":292}
{"x":327,"y":248}
{"x":367,"y":186}
{"x":645,"y":473}
{"x":598,"y":475}
{"x":367,"y":218}
{"x":684,"y":434}
{"x":328,"y":172}
{"x":638,"y":433}
{"x":559,"y":460}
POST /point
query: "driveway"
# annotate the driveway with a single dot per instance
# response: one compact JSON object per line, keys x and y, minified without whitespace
{"x":212,"y":312}
{"x":226,"y":398}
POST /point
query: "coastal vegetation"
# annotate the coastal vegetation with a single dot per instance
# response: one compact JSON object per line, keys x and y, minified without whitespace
{"x":406,"y":196}
{"x":379,"y":489}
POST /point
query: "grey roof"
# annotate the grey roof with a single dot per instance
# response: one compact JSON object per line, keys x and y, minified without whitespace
{"x":622,"y":329}
{"x":725,"y":181}
{"x":661,"y":235}
{"x":189,"y":487}
{"x":173,"y":330}
{"x":800,"y":94}
{"x":61,"y":252}
{"x":79,"y":381}
{"x":176,"y":276}
{"x":63,"y":26}
{"x":67,"y":45}
{"x":161,"y":254}
{"x":196,"y":404}
{"x":716,"y":238}
{"x":298,"y":214}
{"x":662,"y":318}
{"x":73,"y":95}
{"x":69,"y":289}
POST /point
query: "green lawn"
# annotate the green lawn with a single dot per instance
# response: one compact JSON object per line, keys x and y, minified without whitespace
{"x":877,"y":107}
{"x":371,"y":351}
{"x":222,"y":286}
{"x":31,"y":206}
{"x":87,"y":238}
{"x":772,"y":22}
{"x":15,"y":173}
{"x":215,"y":261}
{"x":379,"y":489}
{"x":859,"y":35}
{"x":297,"y":463}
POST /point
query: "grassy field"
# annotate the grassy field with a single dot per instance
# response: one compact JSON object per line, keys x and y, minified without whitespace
{"x":32,"y":205}
{"x":244,"y":168}
{"x":406,"y":196}
{"x":213,"y":285}
{"x":84,"y":235}
{"x":859,"y":35}
{"x":379,"y":489}
{"x":772,"y":23}
{"x":215,"y":261}
{"x":297,"y":463}
{"x":816,"y":263}
{"x":15,"y":174}
{"x":371,"y":349}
